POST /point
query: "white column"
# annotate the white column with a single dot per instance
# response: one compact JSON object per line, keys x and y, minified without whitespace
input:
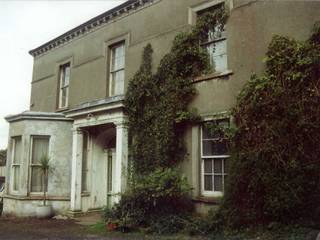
{"x":76,"y":170}
{"x":121,"y":165}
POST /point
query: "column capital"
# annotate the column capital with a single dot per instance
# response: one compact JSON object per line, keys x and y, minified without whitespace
{"x":121,"y":124}
{"x":77,"y":130}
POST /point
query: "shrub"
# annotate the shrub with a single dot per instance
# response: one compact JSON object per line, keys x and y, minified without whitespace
{"x":275,"y":168}
{"x":162,"y":193}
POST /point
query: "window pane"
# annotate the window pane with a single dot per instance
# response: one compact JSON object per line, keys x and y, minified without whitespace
{"x":16,"y":177}
{"x":220,"y":147}
{"x":84,"y":186}
{"x":219,"y":63}
{"x":220,"y":48}
{"x":40,"y":147}
{"x":207,"y":148}
{"x":218,"y":165}
{"x":208,"y":166}
{"x":66,"y":76}
{"x":36,"y":179}
{"x":208,"y":183}
{"x":109,"y":173}
{"x":119,"y":82}
{"x":218,"y":183}
{"x":17,"y":150}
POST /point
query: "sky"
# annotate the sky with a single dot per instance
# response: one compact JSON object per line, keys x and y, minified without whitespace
{"x":25,"y":25}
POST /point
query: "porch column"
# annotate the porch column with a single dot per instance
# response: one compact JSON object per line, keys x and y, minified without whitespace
{"x":76,"y":170}
{"x":121,"y":165}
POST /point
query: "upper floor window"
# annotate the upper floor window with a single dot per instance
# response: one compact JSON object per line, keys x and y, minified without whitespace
{"x":216,"y":44}
{"x":214,"y":154}
{"x":117,"y":60}
{"x":64,"y":80}
{"x":16,"y":162}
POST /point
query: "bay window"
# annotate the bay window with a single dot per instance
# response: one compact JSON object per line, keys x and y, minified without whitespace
{"x":16,"y":162}
{"x":39,"y":149}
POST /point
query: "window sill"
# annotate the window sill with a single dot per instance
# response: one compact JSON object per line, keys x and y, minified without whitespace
{"x":50,"y":198}
{"x":212,"y":76}
{"x":62,"y":109}
{"x":207,"y":200}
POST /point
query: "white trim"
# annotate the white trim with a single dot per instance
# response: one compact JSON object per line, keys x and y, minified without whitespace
{"x":202,"y":174}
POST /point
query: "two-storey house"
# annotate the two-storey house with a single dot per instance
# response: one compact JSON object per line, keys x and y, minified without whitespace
{"x":76,"y":114}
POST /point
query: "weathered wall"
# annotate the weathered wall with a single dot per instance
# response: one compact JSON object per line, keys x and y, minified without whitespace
{"x":60,"y":146}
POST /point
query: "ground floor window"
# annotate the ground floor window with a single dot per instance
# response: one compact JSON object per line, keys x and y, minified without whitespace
{"x":39,"y":149}
{"x":16,"y":161}
{"x":214,"y":157}
{"x":85,"y":167}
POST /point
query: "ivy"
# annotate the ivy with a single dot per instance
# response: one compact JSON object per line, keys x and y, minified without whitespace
{"x":157,"y":103}
{"x":275,"y":167}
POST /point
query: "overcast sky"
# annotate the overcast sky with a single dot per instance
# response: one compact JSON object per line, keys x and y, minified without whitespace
{"x":25,"y":25}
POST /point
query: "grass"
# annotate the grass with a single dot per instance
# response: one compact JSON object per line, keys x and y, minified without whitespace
{"x":277,"y":233}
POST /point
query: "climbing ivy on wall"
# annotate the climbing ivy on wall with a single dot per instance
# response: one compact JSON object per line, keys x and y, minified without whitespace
{"x":275,"y":168}
{"x":157,"y":103}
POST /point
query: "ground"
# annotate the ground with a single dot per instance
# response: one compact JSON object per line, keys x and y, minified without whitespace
{"x":32,"y":228}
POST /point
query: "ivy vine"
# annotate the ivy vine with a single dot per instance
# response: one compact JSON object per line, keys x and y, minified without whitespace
{"x":157,"y":103}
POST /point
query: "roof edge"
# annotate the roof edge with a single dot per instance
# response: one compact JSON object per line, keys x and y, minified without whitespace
{"x":90,"y":25}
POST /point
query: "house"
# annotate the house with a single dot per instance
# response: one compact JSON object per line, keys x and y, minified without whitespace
{"x":76,"y":114}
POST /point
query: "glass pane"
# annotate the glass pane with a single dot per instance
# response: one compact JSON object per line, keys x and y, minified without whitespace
{"x":84,"y":162}
{"x":207,"y":147}
{"x":218,"y":183}
{"x":17,"y":150}
{"x":64,"y":96}
{"x":219,"y":63}
{"x":67,"y":76}
{"x":117,"y":61}
{"x":208,"y":183}
{"x":109,"y":173}
{"x":217,"y":165}
{"x":220,"y":147}
{"x":16,"y":178}
{"x":208,"y":166}
{"x":37,"y":180}
{"x":220,"y":48}
{"x":119,"y":82}
{"x":40,"y":147}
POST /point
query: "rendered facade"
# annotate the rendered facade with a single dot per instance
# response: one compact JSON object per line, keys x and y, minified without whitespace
{"x":76,"y":114}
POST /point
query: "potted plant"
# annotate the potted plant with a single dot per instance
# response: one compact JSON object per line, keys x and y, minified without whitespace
{"x":44,"y":211}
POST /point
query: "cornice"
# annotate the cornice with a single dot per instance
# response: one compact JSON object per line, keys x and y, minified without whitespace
{"x":91,"y":25}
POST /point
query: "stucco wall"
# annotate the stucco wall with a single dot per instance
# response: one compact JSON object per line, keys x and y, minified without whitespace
{"x":60,"y":146}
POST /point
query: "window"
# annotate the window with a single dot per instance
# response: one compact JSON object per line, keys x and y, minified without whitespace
{"x":64,"y":78}
{"x":16,"y":161}
{"x":216,"y":44}
{"x":214,"y":154}
{"x":39,"y":148}
{"x":116,"y":79}
{"x":85,"y":169}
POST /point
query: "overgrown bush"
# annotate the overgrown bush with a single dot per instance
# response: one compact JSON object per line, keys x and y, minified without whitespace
{"x":275,"y":164}
{"x":152,"y":198}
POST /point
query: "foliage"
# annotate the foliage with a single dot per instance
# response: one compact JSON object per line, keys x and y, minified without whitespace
{"x":275,"y":169}
{"x":157,"y":103}
{"x":44,"y":166}
{"x":161,"y":193}
{"x":3,"y":157}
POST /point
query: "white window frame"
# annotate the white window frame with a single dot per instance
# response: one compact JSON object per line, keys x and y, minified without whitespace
{"x":212,"y":40}
{"x":15,"y":165}
{"x":62,"y":87}
{"x":114,"y":71}
{"x":223,"y":174}
{"x":32,"y":165}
